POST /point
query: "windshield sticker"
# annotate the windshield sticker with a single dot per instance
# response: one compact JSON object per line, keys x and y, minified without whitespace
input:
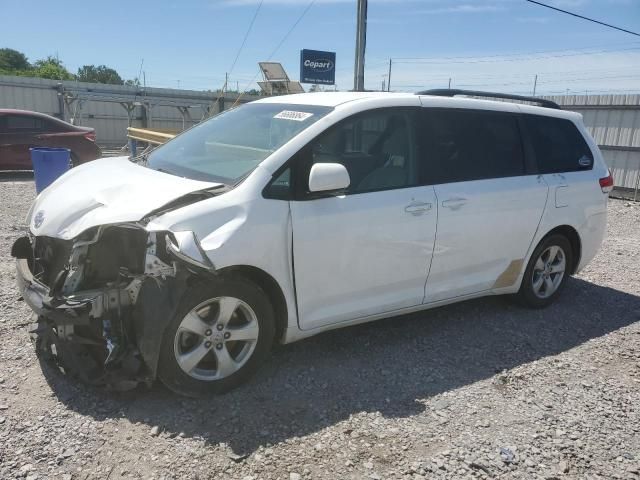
{"x":291,"y":115}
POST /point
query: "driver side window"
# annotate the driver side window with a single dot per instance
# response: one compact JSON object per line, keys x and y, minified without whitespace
{"x":376,"y":148}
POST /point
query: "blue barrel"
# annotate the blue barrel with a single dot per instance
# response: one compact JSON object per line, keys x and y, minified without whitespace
{"x":48,"y":165}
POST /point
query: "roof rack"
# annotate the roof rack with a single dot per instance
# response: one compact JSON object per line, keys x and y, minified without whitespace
{"x":445,"y":92}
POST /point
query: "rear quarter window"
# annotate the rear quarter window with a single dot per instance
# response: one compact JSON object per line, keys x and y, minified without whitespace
{"x":558,"y":145}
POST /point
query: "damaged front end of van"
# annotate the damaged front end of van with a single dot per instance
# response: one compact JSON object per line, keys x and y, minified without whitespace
{"x":102,"y":286}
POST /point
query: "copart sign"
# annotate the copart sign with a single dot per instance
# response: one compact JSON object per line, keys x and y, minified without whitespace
{"x":317,"y":67}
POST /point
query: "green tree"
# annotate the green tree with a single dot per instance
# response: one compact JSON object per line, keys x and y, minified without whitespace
{"x":13,"y":60}
{"x":99,"y":74}
{"x":51,"y":68}
{"x":135,"y":82}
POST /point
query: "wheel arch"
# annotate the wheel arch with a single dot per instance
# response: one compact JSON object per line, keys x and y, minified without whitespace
{"x":573,"y":236}
{"x":270,"y":286}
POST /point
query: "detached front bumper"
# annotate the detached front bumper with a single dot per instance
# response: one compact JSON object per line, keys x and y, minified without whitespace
{"x":33,"y":292}
{"x":106,"y":336}
{"x":67,"y":336}
{"x":37,"y":296}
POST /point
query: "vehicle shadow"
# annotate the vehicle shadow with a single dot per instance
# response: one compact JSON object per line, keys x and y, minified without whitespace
{"x":392,"y":366}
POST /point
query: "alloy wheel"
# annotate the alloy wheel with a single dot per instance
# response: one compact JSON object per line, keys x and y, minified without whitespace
{"x":549,"y":271}
{"x":216,"y":338}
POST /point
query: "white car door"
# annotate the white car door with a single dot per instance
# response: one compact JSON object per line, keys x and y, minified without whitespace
{"x":368,"y":251}
{"x":490,"y":201}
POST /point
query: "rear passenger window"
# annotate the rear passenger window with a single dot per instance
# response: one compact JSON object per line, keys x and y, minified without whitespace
{"x":463,"y":145}
{"x":558,"y":145}
{"x":23,"y":123}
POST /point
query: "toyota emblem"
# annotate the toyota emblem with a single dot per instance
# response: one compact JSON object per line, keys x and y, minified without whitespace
{"x":38,"y":219}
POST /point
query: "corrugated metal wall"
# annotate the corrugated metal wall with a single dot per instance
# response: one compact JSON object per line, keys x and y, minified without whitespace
{"x":28,"y":94}
{"x":614,"y":122}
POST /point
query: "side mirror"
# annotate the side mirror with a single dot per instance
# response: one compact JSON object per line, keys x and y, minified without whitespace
{"x":328,"y":177}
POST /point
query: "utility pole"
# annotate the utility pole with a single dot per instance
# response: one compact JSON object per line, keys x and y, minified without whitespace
{"x":361,"y":41}
{"x":449,"y":83}
{"x":535,"y":84}
{"x":389,"y":77}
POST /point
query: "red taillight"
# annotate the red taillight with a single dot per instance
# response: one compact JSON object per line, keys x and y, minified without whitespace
{"x":90,"y":136}
{"x":606,"y":183}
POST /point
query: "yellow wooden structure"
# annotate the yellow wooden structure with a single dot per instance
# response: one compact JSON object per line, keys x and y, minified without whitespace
{"x":157,"y":136}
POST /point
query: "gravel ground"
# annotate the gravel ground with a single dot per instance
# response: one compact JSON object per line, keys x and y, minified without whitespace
{"x":482,"y":389}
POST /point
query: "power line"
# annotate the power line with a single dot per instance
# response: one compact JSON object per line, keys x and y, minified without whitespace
{"x":549,"y":82}
{"x":565,"y":73}
{"x":540,"y":81}
{"x":295,"y":24}
{"x":520,"y":54}
{"x":246,"y":35}
{"x":275,"y":50}
{"x":489,"y":59}
{"x":583,"y":17}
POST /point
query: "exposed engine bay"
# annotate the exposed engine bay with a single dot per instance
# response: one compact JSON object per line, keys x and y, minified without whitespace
{"x":102,"y":300}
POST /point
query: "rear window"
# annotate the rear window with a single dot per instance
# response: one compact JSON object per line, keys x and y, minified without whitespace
{"x":558,"y":145}
{"x":463,"y":145}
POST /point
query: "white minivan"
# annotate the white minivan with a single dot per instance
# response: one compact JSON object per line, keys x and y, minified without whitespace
{"x":297,"y":214}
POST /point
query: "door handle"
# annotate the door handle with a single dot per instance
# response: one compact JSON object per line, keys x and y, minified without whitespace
{"x":454,"y":203}
{"x":418,"y":208}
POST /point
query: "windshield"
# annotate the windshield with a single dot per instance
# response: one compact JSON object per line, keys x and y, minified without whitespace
{"x":228,"y":146}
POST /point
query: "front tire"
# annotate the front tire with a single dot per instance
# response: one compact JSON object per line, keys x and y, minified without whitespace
{"x":222,"y":332}
{"x":547,"y":272}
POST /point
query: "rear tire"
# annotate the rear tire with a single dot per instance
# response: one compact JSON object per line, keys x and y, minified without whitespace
{"x":221,"y":333}
{"x":547,"y":272}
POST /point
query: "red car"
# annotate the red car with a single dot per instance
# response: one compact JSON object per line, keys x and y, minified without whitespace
{"x":21,"y":130}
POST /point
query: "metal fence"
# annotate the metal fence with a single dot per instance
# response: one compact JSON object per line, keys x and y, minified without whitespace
{"x":110,"y":109}
{"x":614,"y":122}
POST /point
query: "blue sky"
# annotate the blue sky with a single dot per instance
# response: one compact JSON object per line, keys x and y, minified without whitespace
{"x":490,"y":44}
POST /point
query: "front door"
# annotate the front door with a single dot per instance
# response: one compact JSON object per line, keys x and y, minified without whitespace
{"x":368,"y":251}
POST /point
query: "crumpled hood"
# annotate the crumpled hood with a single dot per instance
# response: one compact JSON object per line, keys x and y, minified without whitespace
{"x":104,"y":191}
